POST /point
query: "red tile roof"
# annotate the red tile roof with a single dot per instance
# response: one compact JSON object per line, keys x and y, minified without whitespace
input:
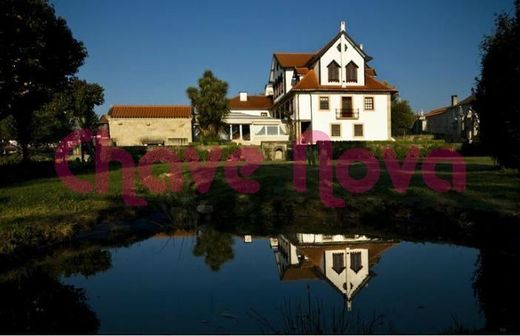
{"x":302,"y":71}
{"x":293,"y":60}
{"x":252,"y":103}
{"x":150,"y":111}
{"x":441,"y":110}
{"x":437,"y":111}
{"x":310,"y":82}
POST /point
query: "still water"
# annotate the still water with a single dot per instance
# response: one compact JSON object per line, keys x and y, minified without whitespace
{"x":212,"y":282}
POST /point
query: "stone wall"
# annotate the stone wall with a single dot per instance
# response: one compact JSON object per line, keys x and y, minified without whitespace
{"x":153,"y":131}
{"x":275,"y":150}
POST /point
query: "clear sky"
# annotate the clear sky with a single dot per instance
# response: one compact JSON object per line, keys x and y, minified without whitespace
{"x":149,"y":52}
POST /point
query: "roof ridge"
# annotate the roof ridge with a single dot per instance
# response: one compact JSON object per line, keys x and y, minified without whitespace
{"x":149,"y":105}
{"x":294,"y":52}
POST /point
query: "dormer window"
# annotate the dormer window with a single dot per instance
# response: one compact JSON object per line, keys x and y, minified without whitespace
{"x":333,"y":71}
{"x":352,"y":70}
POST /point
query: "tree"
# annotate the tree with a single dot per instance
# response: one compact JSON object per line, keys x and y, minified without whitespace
{"x":215,"y":246}
{"x":69,"y":109}
{"x":497,"y":99}
{"x":38,"y":55}
{"x":211,"y":104}
{"x":53,"y":120}
{"x":402,"y":117}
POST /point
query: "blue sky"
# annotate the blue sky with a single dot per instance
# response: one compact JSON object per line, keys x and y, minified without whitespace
{"x":149,"y":52}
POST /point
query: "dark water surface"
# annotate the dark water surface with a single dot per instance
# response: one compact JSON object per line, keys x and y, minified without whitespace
{"x":172,"y":284}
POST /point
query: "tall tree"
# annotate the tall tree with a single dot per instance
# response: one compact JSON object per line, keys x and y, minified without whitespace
{"x":402,"y":117}
{"x":215,"y":246}
{"x":211,"y":104}
{"x":38,"y":54}
{"x":69,"y":109}
{"x":498,"y":101}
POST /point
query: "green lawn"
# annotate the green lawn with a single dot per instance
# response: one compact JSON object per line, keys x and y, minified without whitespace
{"x":44,"y":210}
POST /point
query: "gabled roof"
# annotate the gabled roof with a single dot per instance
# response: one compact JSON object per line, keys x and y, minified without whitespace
{"x":252,"y":103}
{"x":293,"y":60}
{"x":331,"y":43}
{"x":150,"y":111}
{"x":299,"y":273}
{"x":310,"y":83}
{"x":370,"y":71}
{"x":301,"y":71}
{"x":441,"y":110}
{"x":437,"y":111}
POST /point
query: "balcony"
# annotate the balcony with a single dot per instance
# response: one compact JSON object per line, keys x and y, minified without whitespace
{"x":347,"y":113}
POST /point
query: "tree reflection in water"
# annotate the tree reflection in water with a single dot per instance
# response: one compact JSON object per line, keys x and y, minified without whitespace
{"x":496,"y":287}
{"x":215,"y":246}
{"x":33,"y":300}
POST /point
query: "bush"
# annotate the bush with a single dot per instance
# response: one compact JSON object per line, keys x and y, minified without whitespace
{"x":474,"y":149}
{"x":401,"y":148}
{"x":135,"y":151}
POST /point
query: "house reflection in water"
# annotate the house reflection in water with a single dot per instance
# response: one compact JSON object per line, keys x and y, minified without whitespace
{"x":343,"y":261}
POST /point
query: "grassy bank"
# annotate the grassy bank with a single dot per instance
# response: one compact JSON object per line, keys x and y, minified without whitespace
{"x":41,"y":211}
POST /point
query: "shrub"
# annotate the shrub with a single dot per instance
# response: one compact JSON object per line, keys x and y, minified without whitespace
{"x":401,"y":147}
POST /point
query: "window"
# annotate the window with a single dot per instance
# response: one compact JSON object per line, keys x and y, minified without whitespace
{"x":352,"y":70}
{"x":338,"y":262}
{"x":369,"y":103}
{"x":324,"y":103}
{"x":335,"y":130}
{"x":345,"y":47}
{"x":272,"y":130}
{"x":261,"y":131}
{"x":333,"y":71}
{"x":263,"y":114}
{"x":269,"y":130}
{"x":177,"y":141}
{"x":246,"y":132}
{"x":358,"y":130}
{"x":282,"y":130}
{"x":235,"y":132}
{"x":355,"y":261}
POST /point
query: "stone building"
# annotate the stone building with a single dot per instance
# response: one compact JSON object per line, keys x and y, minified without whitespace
{"x":131,"y":125}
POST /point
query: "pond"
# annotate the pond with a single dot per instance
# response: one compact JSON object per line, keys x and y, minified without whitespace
{"x":207,"y":281}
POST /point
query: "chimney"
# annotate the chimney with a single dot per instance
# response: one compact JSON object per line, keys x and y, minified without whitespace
{"x":454,"y":100}
{"x":342,"y":26}
{"x":243,"y":96}
{"x":361,"y":46}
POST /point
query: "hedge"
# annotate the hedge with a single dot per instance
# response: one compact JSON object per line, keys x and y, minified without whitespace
{"x":401,"y":148}
{"x":202,"y":150}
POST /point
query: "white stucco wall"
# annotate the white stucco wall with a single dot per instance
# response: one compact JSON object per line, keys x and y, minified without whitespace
{"x":351,"y":54}
{"x":305,"y":107}
{"x":376,"y":123}
{"x":252,"y":112}
{"x":288,"y":79}
{"x":348,"y":280}
{"x":311,"y":238}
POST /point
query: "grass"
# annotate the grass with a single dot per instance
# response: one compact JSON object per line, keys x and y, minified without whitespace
{"x":42,"y":210}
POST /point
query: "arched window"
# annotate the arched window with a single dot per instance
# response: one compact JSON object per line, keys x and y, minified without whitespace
{"x":333,"y":71}
{"x":352,"y":70}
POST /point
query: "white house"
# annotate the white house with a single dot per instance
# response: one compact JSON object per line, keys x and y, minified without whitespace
{"x":344,"y":262}
{"x":333,"y":91}
{"x":250,"y":121}
{"x":457,"y":122}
